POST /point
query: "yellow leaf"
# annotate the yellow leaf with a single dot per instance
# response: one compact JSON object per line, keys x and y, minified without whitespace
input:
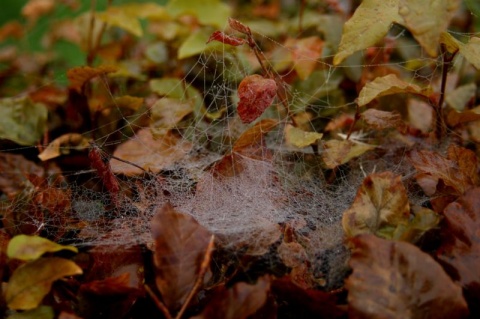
{"x":63,"y":145}
{"x":26,"y":247}
{"x":471,"y":51}
{"x":209,"y":12}
{"x":387,"y":85}
{"x":30,"y":282}
{"x":368,"y":25}
{"x":340,"y":152}
{"x":299,"y":138}
{"x":78,"y":76}
{"x":427,"y":19}
{"x":166,"y":113}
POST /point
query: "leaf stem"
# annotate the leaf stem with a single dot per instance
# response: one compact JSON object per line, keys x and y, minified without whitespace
{"x":440,"y":127}
{"x":158,"y":303}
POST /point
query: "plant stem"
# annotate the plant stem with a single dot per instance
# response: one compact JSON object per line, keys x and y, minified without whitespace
{"x":440,"y":127}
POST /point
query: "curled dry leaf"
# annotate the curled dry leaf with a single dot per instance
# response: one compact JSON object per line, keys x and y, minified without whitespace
{"x":380,"y":206}
{"x":238,"y":26}
{"x":238,"y":302}
{"x":180,"y":245}
{"x":80,"y":75}
{"x":337,"y":152}
{"x":26,"y":247}
{"x":300,"y":138}
{"x":30,"y":282}
{"x":64,"y":145}
{"x":397,"y":280}
{"x":256,"y":93}
{"x":226,"y":39}
{"x":460,"y":251}
{"x":382,"y":119}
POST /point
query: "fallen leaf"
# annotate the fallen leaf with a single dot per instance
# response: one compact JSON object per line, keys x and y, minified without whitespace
{"x":300,"y":138}
{"x":180,"y":245}
{"x":382,"y":119}
{"x":387,"y":85}
{"x":26,"y":247}
{"x":256,"y":93}
{"x":305,"y":53}
{"x":30,"y":282}
{"x":427,"y":28}
{"x":455,"y":118}
{"x":149,"y":153}
{"x":15,"y":168}
{"x":397,"y":280}
{"x":459,"y":98}
{"x":166,"y":113}
{"x":22,"y":121}
{"x":380,"y":206}
{"x":337,"y":152}
{"x":460,"y":250}
{"x":238,"y":302}
{"x":254,"y":135}
{"x":63,"y":145}
{"x":209,"y":12}
{"x":424,"y":220}
{"x":470,"y":50}
{"x":112,"y":286}
{"x":368,"y":25}
{"x":78,"y":76}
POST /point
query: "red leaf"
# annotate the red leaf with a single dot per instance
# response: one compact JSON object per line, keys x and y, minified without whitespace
{"x":238,"y":26}
{"x":256,"y":94}
{"x":397,"y":280}
{"x":460,"y":251}
{"x":105,"y":172}
{"x":226,"y":39}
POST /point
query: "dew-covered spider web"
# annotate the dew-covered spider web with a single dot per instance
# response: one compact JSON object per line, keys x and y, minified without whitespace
{"x":180,"y":145}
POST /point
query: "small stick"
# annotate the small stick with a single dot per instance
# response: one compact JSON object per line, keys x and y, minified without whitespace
{"x":158,"y":303}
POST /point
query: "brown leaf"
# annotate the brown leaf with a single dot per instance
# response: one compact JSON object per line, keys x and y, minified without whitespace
{"x":460,"y":250}
{"x":238,"y":26}
{"x":380,"y":206}
{"x":382,"y":119}
{"x":78,"y":76}
{"x":238,"y":302}
{"x":256,"y":93}
{"x":254,"y":135}
{"x":149,"y":153}
{"x":457,"y":170}
{"x":397,"y":280}
{"x":304,"y":54}
{"x":455,"y":118}
{"x":14,"y":169}
{"x":34,"y":9}
{"x":180,"y":246}
{"x":64,"y":145}
{"x":119,"y":285}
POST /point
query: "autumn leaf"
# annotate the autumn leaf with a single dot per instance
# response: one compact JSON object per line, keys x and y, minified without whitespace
{"x":382,"y":119}
{"x":256,"y":93}
{"x":304,"y":54}
{"x":460,"y":250}
{"x":21,"y":120}
{"x":41,"y":312}
{"x":26,"y":247}
{"x":368,"y":25}
{"x":397,"y":280}
{"x":80,"y":75}
{"x":30,"y":282}
{"x":180,"y":246}
{"x":226,"y":39}
{"x":238,"y":302}
{"x":149,"y":153}
{"x":470,"y":50}
{"x":300,"y":138}
{"x":209,"y":12}
{"x":166,"y":113}
{"x":63,"y":145}
{"x":387,"y":85}
{"x":254,"y":135}
{"x":340,"y":152}
{"x":380,"y":205}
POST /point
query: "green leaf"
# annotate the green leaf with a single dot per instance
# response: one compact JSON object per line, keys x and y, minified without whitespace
{"x":42,"y":312}
{"x":368,"y":25}
{"x":387,"y":85}
{"x":30,"y":282}
{"x":26,"y":247}
{"x":209,"y":12}
{"x":196,"y":43}
{"x":22,"y":121}
{"x":427,"y":19}
{"x":300,"y":138}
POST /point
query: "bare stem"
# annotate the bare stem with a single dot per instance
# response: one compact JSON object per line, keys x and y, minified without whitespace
{"x":440,"y":128}
{"x":158,"y":303}
{"x":201,"y":274}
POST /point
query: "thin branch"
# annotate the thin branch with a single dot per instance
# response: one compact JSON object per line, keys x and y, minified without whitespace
{"x":158,"y":303}
{"x":201,"y":274}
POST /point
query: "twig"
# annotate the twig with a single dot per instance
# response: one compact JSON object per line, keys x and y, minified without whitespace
{"x":158,"y":303}
{"x":201,"y":274}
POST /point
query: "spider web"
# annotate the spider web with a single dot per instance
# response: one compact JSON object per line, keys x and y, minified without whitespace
{"x":278,"y":185}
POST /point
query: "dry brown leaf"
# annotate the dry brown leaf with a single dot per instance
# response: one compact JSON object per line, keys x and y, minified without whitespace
{"x":397,"y":280}
{"x":180,"y":245}
{"x":149,"y":153}
{"x":338,"y":152}
{"x":382,"y":119}
{"x":256,"y":93}
{"x":380,"y":206}
{"x":78,"y":76}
